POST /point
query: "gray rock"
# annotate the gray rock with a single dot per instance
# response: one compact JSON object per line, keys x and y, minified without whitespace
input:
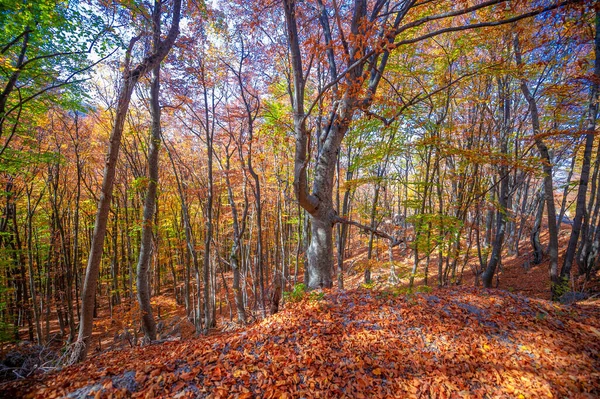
{"x":126,"y":380}
{"x":88,"y":391}
{"x":571,"y":297}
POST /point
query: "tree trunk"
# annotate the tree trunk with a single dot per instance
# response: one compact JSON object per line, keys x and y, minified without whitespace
{"x":130,"y":78}
{"x":501,"y":215}
{"x":538,"y":252}
{"x":565,"y":272}
{"x":143,"y":266}
{"x":320,"y":254}
{"x":547,"y":167}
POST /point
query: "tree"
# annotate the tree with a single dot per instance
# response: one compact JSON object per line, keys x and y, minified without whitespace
{"x":592,"y":113}
{"x":364,"y":47}
{"x":130,"y":78}
{"x":143,"y":288}
{"x":547,"y":167}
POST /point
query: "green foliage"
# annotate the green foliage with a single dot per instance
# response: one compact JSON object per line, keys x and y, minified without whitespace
{"x":296,"y":294}
{"x":424,"y":288}
{"x":46,"y":47}
{"x":316,"y":295}
{"x":561,"y":288}
{"x":7,"y":332}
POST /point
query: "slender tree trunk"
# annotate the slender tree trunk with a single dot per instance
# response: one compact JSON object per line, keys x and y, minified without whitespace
{"x":372,"y":224}
{"x":501,"y":216}
{"x":565,"y":272}
{"x":36,"y":313}
{"x":547,"y":167}
{"x":538,"y":252}
{"x":145,"y":255}
{"x":239,"y":227}
{"x":342,"y":227}
{"x":130,"y":78}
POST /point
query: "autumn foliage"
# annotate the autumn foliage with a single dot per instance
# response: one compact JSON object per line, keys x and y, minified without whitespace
{"x":299,"y":198}
{"x":365,"y":343}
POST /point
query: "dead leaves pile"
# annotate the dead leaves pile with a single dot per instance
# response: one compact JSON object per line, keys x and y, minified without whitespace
{"x":365,"y":343}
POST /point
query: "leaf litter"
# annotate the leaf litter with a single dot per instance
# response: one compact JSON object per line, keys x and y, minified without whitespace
{"x":362,"y":343}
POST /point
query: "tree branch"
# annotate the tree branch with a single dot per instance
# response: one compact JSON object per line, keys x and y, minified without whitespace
{"x":394,"y":241}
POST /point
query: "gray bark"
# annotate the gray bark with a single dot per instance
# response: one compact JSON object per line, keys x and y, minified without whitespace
{"x":547,"y":167}
{"x":130,"y":79}
{"x":565,"y":272}
{"x":501,"y":216}
{"x":143,"y":266}
{"x":538,"y":252}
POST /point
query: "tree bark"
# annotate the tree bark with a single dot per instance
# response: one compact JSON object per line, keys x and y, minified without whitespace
{"x":143,"y":266}
{"x":548,"y":170}
{"x":501,"y":216}
{"x":538,"y":251}
{"x":130,"y":78}
{"x":565,"y":272}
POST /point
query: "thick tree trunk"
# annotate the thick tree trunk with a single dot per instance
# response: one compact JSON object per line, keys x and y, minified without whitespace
{"x":320,"y":254}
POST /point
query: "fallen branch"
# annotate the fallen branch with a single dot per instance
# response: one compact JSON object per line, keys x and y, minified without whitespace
{"x":394,"y":241}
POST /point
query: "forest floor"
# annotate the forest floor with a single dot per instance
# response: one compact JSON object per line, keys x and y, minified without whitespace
{"x":358,"y":343}
{"x":366,"y":341}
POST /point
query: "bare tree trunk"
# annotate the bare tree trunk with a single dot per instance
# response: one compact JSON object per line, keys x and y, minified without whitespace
{"x":239,"y":226}
{"x":343,"y":228}
{"x":538,"y":252}
{"x":547,"y":167}
{"x":501,"y":216}
{"x":36,"y":313}
{"x":372,"y":224}
{"x":96,"y":250}
{"x":565,"y":272}
{"x":130,"y":78}
{"x":143,"y":266}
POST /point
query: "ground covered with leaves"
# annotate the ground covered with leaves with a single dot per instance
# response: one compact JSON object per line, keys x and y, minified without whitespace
{"x":363,"y":343}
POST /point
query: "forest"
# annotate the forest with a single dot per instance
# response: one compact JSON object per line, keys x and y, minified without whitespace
{"x":299,"y":198}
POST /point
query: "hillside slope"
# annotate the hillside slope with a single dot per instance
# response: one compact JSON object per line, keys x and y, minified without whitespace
{"x":363,"y":343}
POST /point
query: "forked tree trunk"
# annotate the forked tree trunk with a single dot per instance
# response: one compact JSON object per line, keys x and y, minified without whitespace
{"x":130,"y":78}
{"x":143,"y":266}
{"x":548,"y":184}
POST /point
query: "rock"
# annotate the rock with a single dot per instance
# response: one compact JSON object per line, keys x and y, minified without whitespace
{"x":571,"y":297}
{"x":126,"y":381}
{"x":88,"y":391}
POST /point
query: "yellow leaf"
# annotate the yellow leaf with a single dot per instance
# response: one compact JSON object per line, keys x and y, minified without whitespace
{"x":239,"y":372}
{"x":377,"y":371}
